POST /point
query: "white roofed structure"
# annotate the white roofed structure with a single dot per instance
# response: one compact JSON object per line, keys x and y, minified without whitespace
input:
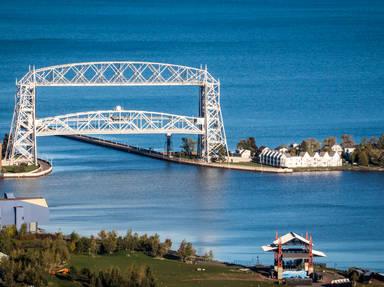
{"x":293,"y":252}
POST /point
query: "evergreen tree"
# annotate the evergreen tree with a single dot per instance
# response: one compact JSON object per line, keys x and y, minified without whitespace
{"x":4,"y":146}
{"x":248,"y":144}
{"x":188,"y":145}
{"x":363,"y":158}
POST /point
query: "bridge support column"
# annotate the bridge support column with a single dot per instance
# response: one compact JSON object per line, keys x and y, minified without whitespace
{"x":213,"y":143}
{"x":201,"y":139}
{"x":169,"y":144}
{"x":22,"y":137}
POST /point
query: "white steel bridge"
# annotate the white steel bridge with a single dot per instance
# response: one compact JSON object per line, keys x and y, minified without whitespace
{"x":208,"y":124}
{"x":119,"y":122}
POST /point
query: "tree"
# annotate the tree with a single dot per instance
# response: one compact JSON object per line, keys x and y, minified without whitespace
{"x":208,"y":255}
{"x":130,"y":241}
{"x":353,"y":276}
{"x":186,"y":250}
{"x":93,"y":248}
{"x":110,"y":242}
{"x":7,"y":234}
{"x":347,"y":141}
{"x":310,"y":145}
{"x":249,"y":144}
{"x":380,"y":142}
{"x":362,"y":158}
{"x":221,"y":154}
{"x":112,"y":277}
{"x":103,"y":235}
{"x":381,"y":160}
{"x":22,"y":270}
{"x":373,"y":142}
{"x":293,"y":151}
{"x":23,"y":231}
{"x":328,"y":143}
{"x":4,"y":146}
{"x":188,"y":145}
{"x":153,"y":245}
{"x":148,"y":280}
{"x":83,"y":245}
{"x":74,"y":238}
{"x":165,"y":247}
{"x":59,"y":252}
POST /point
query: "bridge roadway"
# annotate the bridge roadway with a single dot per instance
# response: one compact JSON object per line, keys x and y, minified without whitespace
{"x":119,"y":121}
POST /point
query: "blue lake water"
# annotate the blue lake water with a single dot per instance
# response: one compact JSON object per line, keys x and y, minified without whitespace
{"x":289,"y":70}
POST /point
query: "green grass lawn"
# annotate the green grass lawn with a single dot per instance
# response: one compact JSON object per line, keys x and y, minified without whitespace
{"x":17,"y":169}
{"x":170,"y":272}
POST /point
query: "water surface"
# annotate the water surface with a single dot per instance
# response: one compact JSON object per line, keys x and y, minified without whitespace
{"x":289,"y":70}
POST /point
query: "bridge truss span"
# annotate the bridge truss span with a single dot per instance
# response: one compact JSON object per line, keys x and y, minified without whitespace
{"x":119,"y":122}
{"x":118,"y":74}
{"x":22,"y":145}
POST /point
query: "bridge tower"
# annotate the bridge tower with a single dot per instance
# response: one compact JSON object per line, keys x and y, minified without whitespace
{"x":22,"y":137}
{"x":22,"y":145}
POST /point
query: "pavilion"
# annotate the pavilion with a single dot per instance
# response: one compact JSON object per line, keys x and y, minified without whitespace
{"x":293,"y":255}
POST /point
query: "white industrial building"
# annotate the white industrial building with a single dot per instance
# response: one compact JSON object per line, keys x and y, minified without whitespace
{"x":242,"y":155}
{"x":337,"y":148}
{"x":304,"y":159}
{"x":17,"y":211}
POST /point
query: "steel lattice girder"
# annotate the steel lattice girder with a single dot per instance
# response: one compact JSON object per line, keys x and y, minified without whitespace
{"x":117,"y":74}
{"x":22,"y":139}
{"x":119,"y":122}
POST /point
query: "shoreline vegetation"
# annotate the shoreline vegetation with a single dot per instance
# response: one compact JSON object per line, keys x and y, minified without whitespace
{"x":132,"y":260}
{"x":366,"y":155}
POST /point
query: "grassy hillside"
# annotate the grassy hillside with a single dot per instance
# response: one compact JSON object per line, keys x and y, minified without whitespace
{"x":170,"y":272}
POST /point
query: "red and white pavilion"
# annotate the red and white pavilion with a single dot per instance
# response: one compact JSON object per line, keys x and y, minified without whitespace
{"x":293,"y":253}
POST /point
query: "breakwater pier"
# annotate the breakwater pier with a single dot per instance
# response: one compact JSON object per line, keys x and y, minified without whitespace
{"x":163,"y":156}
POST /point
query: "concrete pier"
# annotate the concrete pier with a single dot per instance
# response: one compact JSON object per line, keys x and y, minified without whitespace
{"x":162,"y":156}
{"x":45,"y":168}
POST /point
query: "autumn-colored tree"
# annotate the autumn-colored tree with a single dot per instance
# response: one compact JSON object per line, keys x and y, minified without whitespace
{"x":310,"y":145}
{"x":110,"y":242}
{"x":328,"y":143}
{"x":347,"y":141}
{"x":164,"y":247}
{"x":186,"y":250}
